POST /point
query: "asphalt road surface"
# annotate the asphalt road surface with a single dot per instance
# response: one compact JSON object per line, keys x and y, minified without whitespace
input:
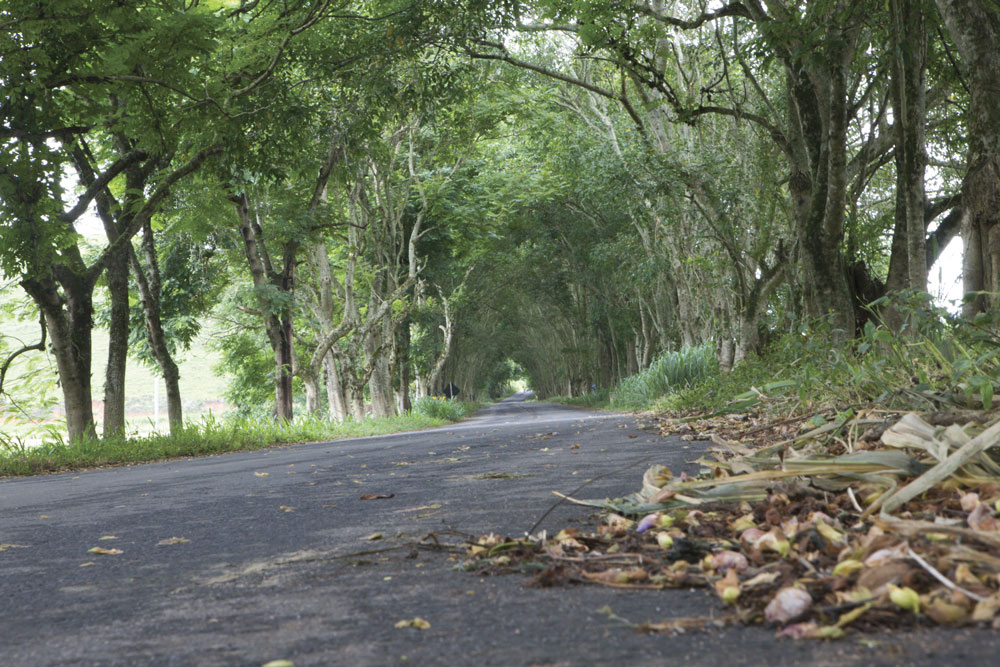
{"x":273,"y":563}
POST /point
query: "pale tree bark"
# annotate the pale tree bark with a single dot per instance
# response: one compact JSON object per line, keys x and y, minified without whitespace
{"x":433,"y":377}
{"x":974,"y":25}
{"x":336,"y":398}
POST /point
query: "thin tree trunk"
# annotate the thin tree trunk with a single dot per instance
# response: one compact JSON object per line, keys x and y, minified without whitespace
{"x":147,"y":277}
{"x":277,"y":323}
{"x":118,"y":333}
{"x":907,"y":263}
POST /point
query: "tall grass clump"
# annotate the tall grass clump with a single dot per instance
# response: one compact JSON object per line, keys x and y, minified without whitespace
{"x":927,"y":360}
{"x":668,"y":373}
{"x":439,"y":407}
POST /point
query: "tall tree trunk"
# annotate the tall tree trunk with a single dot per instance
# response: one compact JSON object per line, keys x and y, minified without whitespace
{"x":277,"y":319}
{"x":907,"y":263}
{"x":147,"y":277}
{"x":335,"y":396}
{"x":403,"y":368}
{"x":975,"y":27}
{"x":380,"y":381}
{"x":118,"y":334}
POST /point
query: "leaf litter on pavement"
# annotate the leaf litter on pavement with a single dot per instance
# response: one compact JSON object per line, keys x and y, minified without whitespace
{"x":818,"y":526}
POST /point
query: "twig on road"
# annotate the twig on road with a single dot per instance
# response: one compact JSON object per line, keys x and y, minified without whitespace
{"x":531,"y":531}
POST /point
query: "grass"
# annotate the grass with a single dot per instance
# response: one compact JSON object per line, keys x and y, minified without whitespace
{"x":669,"y":373}
{"x":933,"y":362}
{"x":439,"y":407}
{"x":210,"y":436}
{"x":32,"y":377}
{"x":598,"y":399}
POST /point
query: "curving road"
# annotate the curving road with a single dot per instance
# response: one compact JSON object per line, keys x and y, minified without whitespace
{"x":272,"y":566}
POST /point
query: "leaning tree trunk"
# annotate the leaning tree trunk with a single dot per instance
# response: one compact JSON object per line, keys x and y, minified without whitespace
{"x":975,"y":27}
{"x":147,"y":277}
{"x":277,"y":321}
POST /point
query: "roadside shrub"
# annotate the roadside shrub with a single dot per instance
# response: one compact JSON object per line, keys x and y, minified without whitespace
{"x":932,"y":361}
{"x":439,"y":407}
{"x":668,"y":373}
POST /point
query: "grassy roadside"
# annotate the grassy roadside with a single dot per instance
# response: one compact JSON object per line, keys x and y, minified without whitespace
{"x":208,"y":437}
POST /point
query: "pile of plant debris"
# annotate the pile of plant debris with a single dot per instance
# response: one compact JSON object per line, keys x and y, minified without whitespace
{"x":853,"y":523}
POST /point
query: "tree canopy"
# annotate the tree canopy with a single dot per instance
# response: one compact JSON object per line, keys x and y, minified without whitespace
{"x":379,"y":199}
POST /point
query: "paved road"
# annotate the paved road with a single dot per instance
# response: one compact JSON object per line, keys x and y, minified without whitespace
{"x":272,"y":568}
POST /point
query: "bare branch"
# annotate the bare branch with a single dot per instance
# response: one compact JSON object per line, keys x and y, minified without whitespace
{"x":102,"y":182}
{"x":40,"y":345}
{"x":732,"y":9}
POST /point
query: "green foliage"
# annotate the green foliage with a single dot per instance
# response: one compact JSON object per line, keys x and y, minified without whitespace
{"x":932,"y":362}
{"x":439,"y":407}
{"x":668,"y":373}
{"x":248,"y":362}
{"x":211,"y":436}
{"x":600,"y":398}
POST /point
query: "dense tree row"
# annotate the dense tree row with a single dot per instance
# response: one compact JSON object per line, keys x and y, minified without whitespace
{"x":375,"y":199}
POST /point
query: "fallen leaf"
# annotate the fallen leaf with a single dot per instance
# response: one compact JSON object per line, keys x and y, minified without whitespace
{"x":986,"y":610}
{"x":905,"y":597}
{"x":728,"y":587}
{"x":172,"y":540}
{"x":286,"y":508}
{"x":261,"y":474}
{"x":417,"y":622}
{"x":577,"y":446}
{"x":87,"y":564}
{"x":618,"y":576}
{"x":4,"y":547}
{"x":279,"y":663}
{"x":789,"y":604}
{"x":107,"y":537}
{"x":435,"y":506}
{"x":104,"y":552}
{"x":376,"y":496}
{"x":44,"y":516}
{"x":374,"y":536}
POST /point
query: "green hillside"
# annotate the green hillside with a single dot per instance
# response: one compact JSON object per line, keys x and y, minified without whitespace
{"x":201,"y":388}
